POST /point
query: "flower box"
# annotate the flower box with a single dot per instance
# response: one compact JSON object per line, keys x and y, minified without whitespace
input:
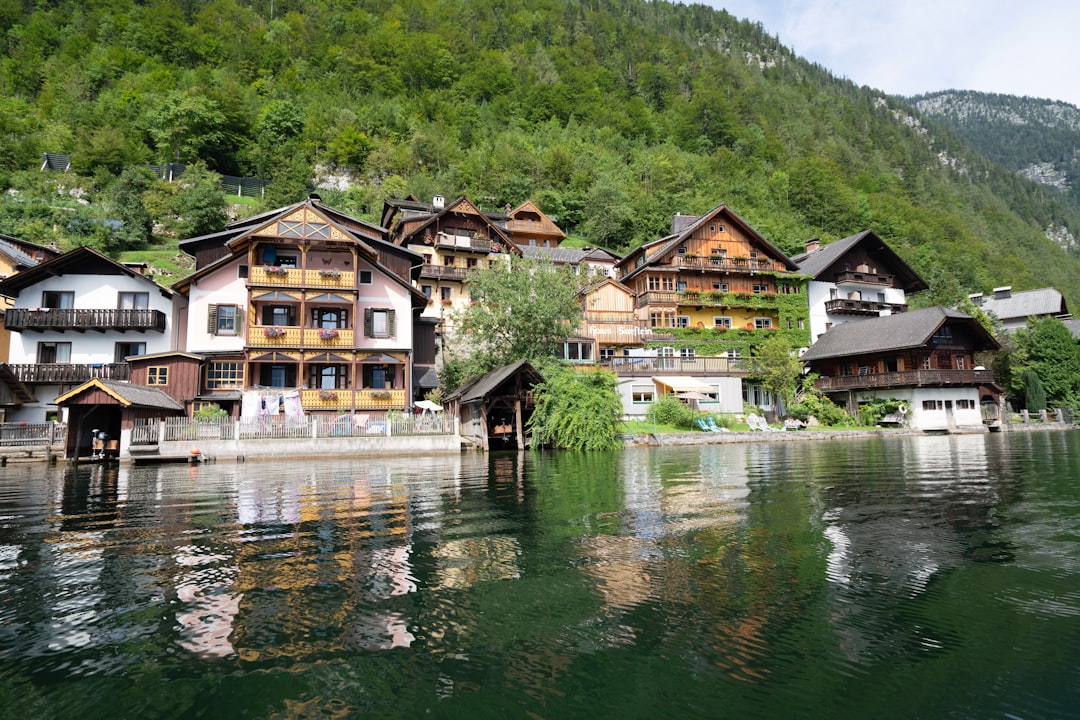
{"x":327,"y":333}
{"x":327,"y":395}
{"x":330,"y":273}
{"x":275,"y":270}
{"x":273,"y":332}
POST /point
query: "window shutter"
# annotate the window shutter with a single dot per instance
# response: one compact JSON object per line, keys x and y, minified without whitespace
{"x":211,"y":319}
{"x":367,"y":322}
{"x":391,"y":323}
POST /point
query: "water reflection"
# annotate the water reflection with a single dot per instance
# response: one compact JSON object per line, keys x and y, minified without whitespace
{"x":762,"y":579}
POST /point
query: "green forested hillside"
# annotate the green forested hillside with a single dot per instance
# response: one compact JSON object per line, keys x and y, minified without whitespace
{"x":1033,"y":137}
{"x":611,"y":114}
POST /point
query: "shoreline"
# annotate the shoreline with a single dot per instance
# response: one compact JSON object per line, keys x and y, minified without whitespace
{"x":703,"y":438}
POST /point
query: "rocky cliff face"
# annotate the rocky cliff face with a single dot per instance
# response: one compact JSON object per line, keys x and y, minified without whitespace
{"x":1038,"y":139}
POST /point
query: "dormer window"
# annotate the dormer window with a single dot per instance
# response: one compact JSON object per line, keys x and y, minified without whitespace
{"x":681,"y":250}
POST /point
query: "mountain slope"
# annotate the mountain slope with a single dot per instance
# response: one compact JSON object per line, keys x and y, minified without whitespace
{"x":612,"y":115}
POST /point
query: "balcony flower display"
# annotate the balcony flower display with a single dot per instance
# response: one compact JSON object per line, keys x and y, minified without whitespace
{"x":275,"y":270}
{"x":327,"y":395}
{"x":381,"y":394}
{"x":330,"y":273}
{"x":327,"y":333}
{"x":273,"y":332}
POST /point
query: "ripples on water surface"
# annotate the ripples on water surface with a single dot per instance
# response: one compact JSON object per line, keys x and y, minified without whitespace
{"x":905,"y":577}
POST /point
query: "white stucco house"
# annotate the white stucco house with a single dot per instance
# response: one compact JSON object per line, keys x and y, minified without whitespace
{"x":76,"y":317}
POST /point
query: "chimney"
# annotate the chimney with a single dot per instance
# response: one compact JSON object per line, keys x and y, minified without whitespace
{"x":680,"y":222}
{"x":812,"y":245}
{"x":438,"y":202}
{"x":976,"y":299}
{"x":1005,"y":291}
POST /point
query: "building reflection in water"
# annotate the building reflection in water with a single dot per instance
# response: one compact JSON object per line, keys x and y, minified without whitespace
{"x":903,"y":529}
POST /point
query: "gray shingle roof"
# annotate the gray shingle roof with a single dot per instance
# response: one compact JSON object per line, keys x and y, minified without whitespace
{"x":902,"y":331}
{"x":1024,"y":304}
{"x":478,"y":388}
{"x":817,"y":262}
{"x":137,"y":395}
{"x":814,"y":263}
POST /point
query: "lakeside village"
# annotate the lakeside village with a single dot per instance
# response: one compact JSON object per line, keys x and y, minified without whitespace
{"x":309,"y":332}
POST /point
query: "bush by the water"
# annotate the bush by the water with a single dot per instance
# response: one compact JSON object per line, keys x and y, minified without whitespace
{"x":669,"y":410}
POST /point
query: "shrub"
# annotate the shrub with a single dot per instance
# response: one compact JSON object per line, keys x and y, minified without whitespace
{"x":871,"y":412}
{"x":669,"y":410}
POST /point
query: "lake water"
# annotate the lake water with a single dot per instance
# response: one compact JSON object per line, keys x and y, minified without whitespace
{"x":933,"y":577}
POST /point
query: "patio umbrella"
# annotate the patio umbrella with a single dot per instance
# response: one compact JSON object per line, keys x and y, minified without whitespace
{"x":693,"y":395}
{"x":428,"y":405}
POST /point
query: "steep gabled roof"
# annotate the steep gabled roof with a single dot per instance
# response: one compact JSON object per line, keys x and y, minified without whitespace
{"x":816,"y":263}
{"x":1026,"y":303}
{"x":464,"y":206}
{"x":478,"y":388}
{"x":369,"y":239}
{"x":126,"y":394}
{"x":82,"y":260}
{"x":902,"y":331}
{"x":667,"y":245}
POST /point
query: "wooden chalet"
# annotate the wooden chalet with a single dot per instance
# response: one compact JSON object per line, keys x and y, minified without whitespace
{"x":713,"y":271}
{"x":528,"y":226}
{"x":855,"y":278}
{"x":453,"y":239}
{"x":306,"y":297}
{"x":494,"y":408}
{"x":924,"y":357}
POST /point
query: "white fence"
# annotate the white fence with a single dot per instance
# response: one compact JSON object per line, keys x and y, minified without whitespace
{"x":150,"y":432}
{"x":32,"y":434}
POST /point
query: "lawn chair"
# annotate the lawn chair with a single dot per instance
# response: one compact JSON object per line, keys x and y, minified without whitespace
{"x":713,"y":426}
{"x":703,"y":425}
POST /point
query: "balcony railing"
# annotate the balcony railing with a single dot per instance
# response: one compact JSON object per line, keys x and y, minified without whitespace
{"x":842,"y":306}
{"x":301,"y":278}
{"x":458,"y":242}
{"x":905,"y":378}
{"x":707,"y":299}
{"x":64,"y":373}
{"x":730,"y":264}
{"x":865,"y":278}
{"x":444,"y":272}
{"x":646,"y":366}
{"x":278,"y":336}
{"x":56,"y":319}
{"x":344,"y":400}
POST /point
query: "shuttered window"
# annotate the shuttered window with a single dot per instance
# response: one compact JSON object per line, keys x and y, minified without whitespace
{"x":223,"y":320}
{"x":380,"y":323}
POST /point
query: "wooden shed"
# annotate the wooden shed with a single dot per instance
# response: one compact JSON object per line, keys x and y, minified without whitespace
{"x":110,"y":407}
{"x":494,"y":408}
{"x":177,"y":374}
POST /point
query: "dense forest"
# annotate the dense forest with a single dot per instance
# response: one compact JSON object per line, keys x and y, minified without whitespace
{"x":612,"y":115}
{"x":1037,"y":138}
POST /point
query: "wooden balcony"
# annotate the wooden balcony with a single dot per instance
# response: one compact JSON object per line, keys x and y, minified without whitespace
{"x":715,"y":262}
{"x":345,"y":400}
{"x":301,"y":278}
{"x":78,"y":320}
{"x":766,"y":301}
{"x":841,"y":306}
{"x":444,"y":272}
{"x":865,"y":278}
{"x":906,"y":378}
{"x":298,"y":337}
{"x":68,"y":373}
{"x":468,"y":244}
{"x":648,"y":366}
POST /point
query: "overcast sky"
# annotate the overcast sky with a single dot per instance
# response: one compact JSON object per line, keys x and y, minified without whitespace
{"x":907,"y":47}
